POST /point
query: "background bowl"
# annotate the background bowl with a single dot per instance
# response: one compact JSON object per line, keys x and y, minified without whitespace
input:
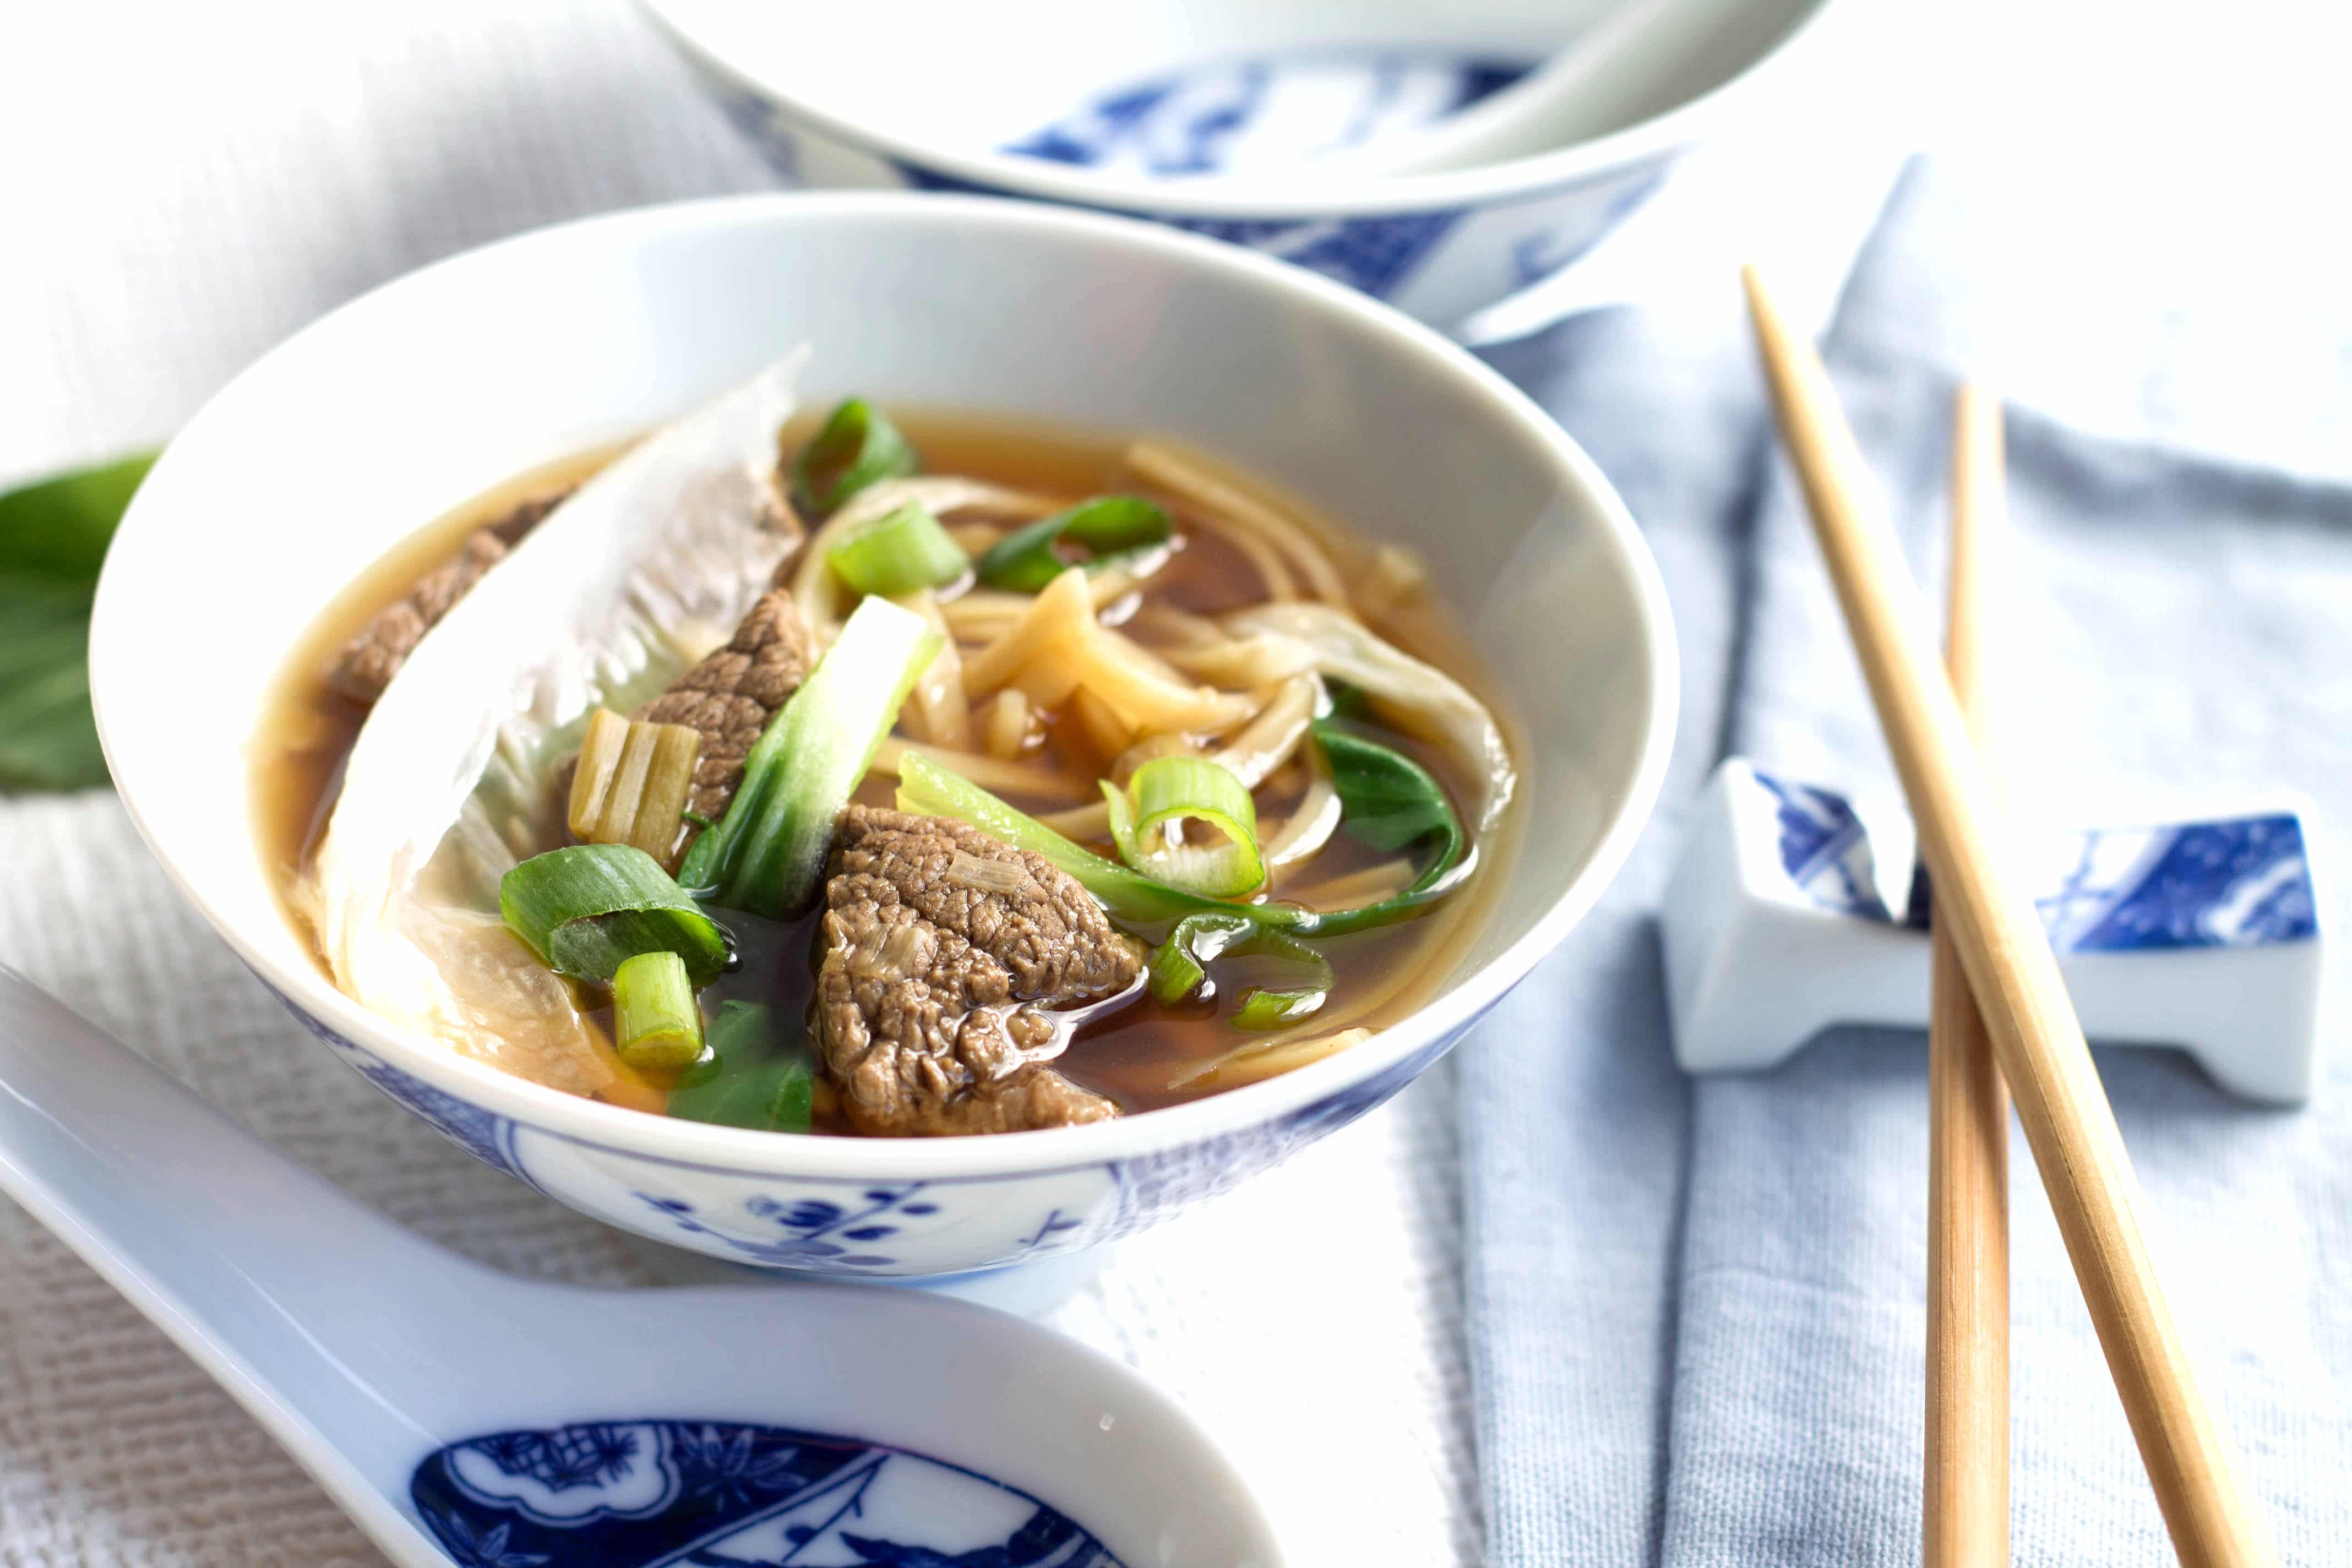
{"x":1121,"y":107}
{"x":387,"y":412}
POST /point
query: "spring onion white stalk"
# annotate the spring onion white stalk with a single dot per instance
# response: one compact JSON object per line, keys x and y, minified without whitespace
{"x":657,"y":1026}
{"x":632,"y":782}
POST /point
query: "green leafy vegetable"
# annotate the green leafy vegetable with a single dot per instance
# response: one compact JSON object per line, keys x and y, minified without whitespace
{"x":1111,"y":528}
{"x":588,"y":909}
{"x":767,"y":853}
{"x":52,"y":537}
{"x":1180,"y":967}
{"x":897,"y":553}
{"x":754,"y":1080}
{"x":856,"y":447}
{"x":1390,"y":802}
{"x":1169,"y":792}
{"x":655,"y":1024}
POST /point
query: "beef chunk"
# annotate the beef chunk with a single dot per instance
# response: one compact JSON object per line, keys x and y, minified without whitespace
{"x":732,"y":694}
{"x":371,"y":659}
{"x":937,"y":969}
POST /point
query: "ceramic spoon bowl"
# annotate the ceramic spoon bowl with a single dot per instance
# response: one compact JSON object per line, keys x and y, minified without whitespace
{"x":456,"y":1412}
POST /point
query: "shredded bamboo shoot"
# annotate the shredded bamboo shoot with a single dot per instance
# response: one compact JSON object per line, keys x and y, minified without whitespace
{"x":989,"y":772}
{"x":937,"y":711}
{"x":1239,"y":515}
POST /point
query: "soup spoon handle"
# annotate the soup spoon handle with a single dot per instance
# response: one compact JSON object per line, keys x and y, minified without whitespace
{"x":303,"y":1304}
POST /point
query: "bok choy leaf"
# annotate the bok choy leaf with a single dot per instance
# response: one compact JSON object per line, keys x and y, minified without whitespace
{"x":767,"y":854}
{"x":749,"y":1078}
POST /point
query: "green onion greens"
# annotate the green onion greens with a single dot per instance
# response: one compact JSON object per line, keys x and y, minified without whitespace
{"x":1386,"y":798}
{"x":1180,"y":968}
{"x":1111,"y":528}
{"x":1170,"y":791}
{"x":588,"y":909}
{"x":856,"y":447}
{"x":897,"y":553}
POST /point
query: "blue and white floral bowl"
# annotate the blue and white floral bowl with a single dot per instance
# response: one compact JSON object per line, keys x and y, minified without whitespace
{"x":1212,"y":115}
{"x":390,"y":411}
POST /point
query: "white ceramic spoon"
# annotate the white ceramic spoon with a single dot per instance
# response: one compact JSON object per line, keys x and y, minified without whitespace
{"x":522,"y":1425}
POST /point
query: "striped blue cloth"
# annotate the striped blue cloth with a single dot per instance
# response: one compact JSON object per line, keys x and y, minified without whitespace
{"x":1697,"y":1307}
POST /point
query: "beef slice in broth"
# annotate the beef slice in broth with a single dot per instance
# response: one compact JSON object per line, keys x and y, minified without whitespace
{"x":369,"y":659}
{"x":943,"y":950}
{"x":731,"y":696}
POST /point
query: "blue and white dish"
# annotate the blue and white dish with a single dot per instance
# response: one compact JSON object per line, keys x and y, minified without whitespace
{"x":511,"y":356}
{"x":2202,"y":933}
{"x":1228,"y":119}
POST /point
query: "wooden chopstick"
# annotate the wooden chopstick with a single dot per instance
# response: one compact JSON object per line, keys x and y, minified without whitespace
{"x":1965,"y":1521}
{"x":2035,"y":1034}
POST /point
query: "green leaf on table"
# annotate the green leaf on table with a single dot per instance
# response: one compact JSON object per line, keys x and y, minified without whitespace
{"x":53,"y":536}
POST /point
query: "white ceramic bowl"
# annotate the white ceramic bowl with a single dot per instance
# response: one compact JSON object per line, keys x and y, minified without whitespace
{"x":1123,"y":105}
{"x":395,"y":408}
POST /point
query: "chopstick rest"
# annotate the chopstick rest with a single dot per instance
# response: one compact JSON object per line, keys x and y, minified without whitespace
{"x":1791,"y":909}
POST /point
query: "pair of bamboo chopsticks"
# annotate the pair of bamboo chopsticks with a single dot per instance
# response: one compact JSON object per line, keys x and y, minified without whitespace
{"x":1989,"y":926}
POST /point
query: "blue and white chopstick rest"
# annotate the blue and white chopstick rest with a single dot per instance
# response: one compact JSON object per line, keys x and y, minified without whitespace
{"x":1791,"y":910}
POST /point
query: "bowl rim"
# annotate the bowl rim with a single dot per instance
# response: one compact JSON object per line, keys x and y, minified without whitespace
{"x":1662,"y":136}
{"x":307,"y":989}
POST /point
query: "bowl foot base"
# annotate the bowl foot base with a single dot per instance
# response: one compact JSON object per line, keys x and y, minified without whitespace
{"x":1027,"y":1290}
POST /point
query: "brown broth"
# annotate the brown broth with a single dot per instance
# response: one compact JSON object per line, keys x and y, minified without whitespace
{"x":1136,"y":1056}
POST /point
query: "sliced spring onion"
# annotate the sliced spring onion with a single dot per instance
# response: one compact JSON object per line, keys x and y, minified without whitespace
{"x":928,"y":789}
{"x":856,"y":447}
{"x":754,"y":1080}
{"x":1380,"y":779}
{"x":900,"y":553}
{"x":1111,"y":528}
{"x":588,"y":909}
{"x":1264,"y":1009}
{"x":1180,"y":968}
{"x":655,"y":1025}
{"x":631,"y":782}
{"x":1168,"y":793}
{"x":767,"y":854}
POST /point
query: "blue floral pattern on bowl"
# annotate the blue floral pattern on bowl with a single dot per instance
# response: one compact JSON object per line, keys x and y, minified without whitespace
{"x":1266,"y":112}
{"x":1441,"y":262}
{"x":1374,"y":255}
{"x":634,"y":1493}
{"x":852,"y":1229}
